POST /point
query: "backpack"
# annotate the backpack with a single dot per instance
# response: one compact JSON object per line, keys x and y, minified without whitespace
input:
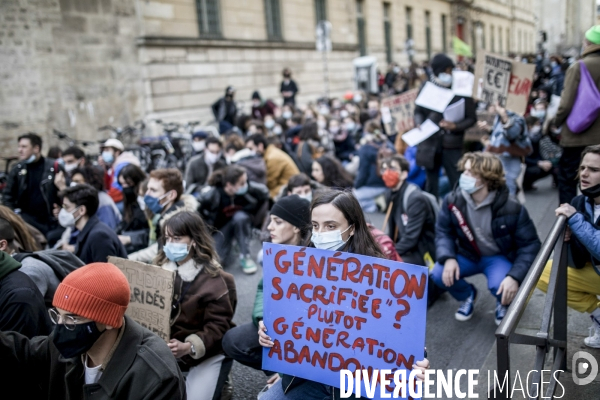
{"x":62,"y":262}
{"x":386,"y":244}
{"x":435,"y":206}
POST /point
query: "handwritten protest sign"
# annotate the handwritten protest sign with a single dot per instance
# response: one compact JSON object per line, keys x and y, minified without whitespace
{"x":327,"y":311}
{"x":491,"y":77}
{"x":151,"y":295}
{"x":397,"y":112}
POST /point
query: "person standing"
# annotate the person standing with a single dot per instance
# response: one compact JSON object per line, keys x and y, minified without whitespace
{"x":574,"y":143}
{"x":288,"y":88}
{"x":30,"y":190}
{"x":225,"y":110}
{"x":444,"y":148}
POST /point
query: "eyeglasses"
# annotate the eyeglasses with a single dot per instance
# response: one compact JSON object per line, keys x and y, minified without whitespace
{"x":68,"y":321}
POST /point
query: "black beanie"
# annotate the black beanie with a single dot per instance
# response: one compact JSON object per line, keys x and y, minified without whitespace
{"x":293,"y":209}
{"x":440,"y":63}
{"x":255,"y":95}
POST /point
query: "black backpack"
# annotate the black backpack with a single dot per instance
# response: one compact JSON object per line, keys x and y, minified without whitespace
{"x":62,"y":262}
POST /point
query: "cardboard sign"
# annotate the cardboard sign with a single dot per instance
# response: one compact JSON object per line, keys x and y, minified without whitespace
{"x":397,"y":112}
{"x":151,"y":295}
{"x":462,"y":83}
{"x":491,"y":81}
{"x":327,"y":311}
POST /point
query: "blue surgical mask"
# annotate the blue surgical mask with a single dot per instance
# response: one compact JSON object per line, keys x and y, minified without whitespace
{"x":329,"y":240}
{"x":467,"y":183}
{"x":153,"y":203}
{"x":269,"y":124}
{"x":306,"y":196}
{"x":108,"y":157}
{"x":350,"y":126}
{"x":30,"y":159}
{"x":176,"y":251}
{"x":286,"y":114}
{"x":541,"y":114}
{"x":243,"y":190}
{"x":445,"y":79}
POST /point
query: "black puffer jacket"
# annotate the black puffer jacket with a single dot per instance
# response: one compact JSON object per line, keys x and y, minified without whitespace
{"x":513,"y":231}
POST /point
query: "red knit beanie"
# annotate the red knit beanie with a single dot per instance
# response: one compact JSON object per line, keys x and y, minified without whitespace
{"x":98,"y":291}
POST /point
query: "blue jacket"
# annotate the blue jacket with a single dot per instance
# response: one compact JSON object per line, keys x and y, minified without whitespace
{"x":416,"y":174}
{"x":96,"y":242}
{"x":584,"y":246}
{"x":513,"y":231}
{"x":367,"y":168}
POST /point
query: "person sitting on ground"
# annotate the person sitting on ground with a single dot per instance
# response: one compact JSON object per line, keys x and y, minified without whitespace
{"x":328,"y":172}
{"x":583,"y":237}
{"x":107,"y":209}
{"x":22,"y":306}
{"x":480,"y":229}
{"x":164,"y":198}
{"x":200,"y":167}
{"x":237,"y":153}
{"x":309,"y":147}
{"x":280,"y":167}
{"x":73,"y":158}
{"x":368,"y":183}
{"x":134,"y":229}
{"x":232,"y":205}
{"x":14,"y":239}
{"x":332,"y":211}
{"x":260,"y":108}
{"x":537,"y":166}
{"x":95,"y":241}
{"x":94,"y":347}
{"x":301,"y":185}
{"x":289,"y":224}
{"x":411,"y":215}
{"x":204,"y":301}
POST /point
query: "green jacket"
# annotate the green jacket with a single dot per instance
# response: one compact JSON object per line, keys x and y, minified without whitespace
{"x":257,"y":313}
{"x":591,"y":58}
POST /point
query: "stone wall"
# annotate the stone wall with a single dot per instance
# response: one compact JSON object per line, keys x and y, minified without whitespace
{"x":70,"y":65}
{"x":182,"y":81}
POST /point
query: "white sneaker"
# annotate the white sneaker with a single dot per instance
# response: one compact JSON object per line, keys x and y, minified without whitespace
{"x":594,"y":339}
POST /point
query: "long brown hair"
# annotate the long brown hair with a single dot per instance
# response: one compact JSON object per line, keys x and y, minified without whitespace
{"x":189,"y":223}
{"x":22,"y":235}
{"x":362,"y":242}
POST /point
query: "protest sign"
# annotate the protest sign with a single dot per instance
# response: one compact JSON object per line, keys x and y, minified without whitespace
{"x":491,"y":80}
{"x":397,"y":112}
{"x":434,"y":97}
{"x":462,"y":83}
{"x":494,"y":72}
{"x":418,"y":135}
{"x":151,"y":295}
{"x":326,"y":311}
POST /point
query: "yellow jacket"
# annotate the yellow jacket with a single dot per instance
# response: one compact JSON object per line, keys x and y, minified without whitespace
{"x":280,"y":168}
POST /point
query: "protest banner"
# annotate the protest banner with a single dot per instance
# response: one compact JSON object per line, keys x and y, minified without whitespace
{"x":494,"y":72}
{"x":397,"y":112}
{"x":151,"y":295}
{"x":490,"y":74}
{"x":326,"y":311}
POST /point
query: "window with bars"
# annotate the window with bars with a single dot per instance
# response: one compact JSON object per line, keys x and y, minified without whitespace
{"x":321,"y":10}
{"x":444,"y":33}
{"x":428,"y":33}
{"x":387,"y":31}
{"x":360,"y":21}
{"x":273,"y":18}
{"x":209,"y":20}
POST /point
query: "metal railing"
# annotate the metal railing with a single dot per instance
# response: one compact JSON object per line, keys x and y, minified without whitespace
{"x":555,"y":306}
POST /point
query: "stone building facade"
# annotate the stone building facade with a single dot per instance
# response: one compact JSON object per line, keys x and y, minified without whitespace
{"x":75,"y":65}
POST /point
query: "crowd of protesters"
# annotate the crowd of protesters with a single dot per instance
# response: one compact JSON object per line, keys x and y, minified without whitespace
{"x":293,"y":174}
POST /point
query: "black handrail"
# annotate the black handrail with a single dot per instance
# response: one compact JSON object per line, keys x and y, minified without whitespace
{"x":555,"y":306}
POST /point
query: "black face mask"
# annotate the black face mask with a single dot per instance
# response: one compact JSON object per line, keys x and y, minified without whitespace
{"x":73,"y":343}
{"x":591,"y":192}
{"x":130,"y":194}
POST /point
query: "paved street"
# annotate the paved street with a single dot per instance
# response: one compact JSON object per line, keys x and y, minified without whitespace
{"x":450,"y":344}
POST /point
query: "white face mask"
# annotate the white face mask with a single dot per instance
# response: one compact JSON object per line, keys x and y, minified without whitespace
{"x":269,"y":124}
{"x":212,"y":158}
{"x":329,"y":240}
{"x":141,"y":203}
{"x":306,"y":196}
{"x":198,"y":146}
{"x":66,"y":219}
{"x":70,"y":167}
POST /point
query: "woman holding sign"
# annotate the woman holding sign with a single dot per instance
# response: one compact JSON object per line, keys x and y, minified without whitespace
{"x":338,"y":224}
{"x":204,"y":301}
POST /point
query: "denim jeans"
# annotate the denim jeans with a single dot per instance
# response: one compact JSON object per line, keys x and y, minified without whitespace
{"x":308,"y":390}
{"x":366,"y":197}
{"x":512,"y":169}
{"x":240,"y":228}
{"x":495,"y":269}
